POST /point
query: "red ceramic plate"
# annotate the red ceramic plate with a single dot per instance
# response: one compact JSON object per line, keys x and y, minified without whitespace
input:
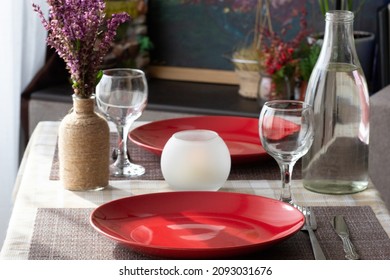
{"x":240,"y":134}
{"x":197,"y":224}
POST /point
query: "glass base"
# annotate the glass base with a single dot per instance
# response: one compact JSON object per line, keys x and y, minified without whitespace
{"x":293,"y":204}
{"x":335,"y":187}
{"x":130,"y":170}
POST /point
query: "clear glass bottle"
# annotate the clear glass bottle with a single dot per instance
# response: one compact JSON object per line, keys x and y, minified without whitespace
{"x":337,"y":162}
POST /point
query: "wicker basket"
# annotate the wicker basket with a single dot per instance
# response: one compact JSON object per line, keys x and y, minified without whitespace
{"x":248,"y":83}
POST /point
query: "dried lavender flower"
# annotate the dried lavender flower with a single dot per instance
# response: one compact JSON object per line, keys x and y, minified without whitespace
{"x":81,"y":35}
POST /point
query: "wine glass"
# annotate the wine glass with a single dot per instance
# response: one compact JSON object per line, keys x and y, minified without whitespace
{"x":286,"y":129}
{"x":121,"y":96}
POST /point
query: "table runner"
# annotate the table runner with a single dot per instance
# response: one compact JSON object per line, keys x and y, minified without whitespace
{"x":66,"y":234}
{"x":266,"y":169}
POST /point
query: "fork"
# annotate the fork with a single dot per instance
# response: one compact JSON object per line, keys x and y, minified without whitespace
{"x":310,"y":224}
{"x":312,"y":218}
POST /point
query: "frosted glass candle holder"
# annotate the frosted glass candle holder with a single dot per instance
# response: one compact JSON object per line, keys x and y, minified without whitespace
{"x":195,"y":160}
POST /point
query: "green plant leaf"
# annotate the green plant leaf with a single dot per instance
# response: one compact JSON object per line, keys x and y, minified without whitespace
{"x":99,"y":76}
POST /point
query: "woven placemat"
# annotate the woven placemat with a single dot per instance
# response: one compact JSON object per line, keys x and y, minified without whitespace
{"x":66,"y":234}
{"x":266,"y":169}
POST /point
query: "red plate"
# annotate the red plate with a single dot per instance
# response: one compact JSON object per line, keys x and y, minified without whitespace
{"x":197,"y":224}
{"x":240,"y":134}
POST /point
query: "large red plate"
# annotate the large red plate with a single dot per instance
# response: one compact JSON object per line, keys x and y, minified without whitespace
{"x":197,"y":224}
{"x":240,"y":134}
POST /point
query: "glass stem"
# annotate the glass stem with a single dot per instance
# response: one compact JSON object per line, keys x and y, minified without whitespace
{"x":286,"y":170}
{"x":122,"y":159}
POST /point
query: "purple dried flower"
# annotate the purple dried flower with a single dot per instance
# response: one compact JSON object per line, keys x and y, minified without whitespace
{"x":81,"y":35}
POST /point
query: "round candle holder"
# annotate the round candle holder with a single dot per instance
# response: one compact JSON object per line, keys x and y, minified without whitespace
{"x":195,"y":160}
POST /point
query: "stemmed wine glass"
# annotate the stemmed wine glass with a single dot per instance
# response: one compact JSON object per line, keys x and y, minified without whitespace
{"x":286,"y":129}
{"x":121,"y":96}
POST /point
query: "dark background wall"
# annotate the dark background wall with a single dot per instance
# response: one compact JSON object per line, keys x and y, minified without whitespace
{"x":201,"y":33}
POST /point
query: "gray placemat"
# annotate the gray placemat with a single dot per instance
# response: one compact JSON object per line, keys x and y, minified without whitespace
{"x":266,"y":169}
{"x":66,"y":234}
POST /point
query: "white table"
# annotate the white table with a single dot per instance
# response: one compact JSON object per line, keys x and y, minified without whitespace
{"x":34,"y":190}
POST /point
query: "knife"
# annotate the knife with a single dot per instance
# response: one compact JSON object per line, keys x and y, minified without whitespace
{"x":341,"y":229}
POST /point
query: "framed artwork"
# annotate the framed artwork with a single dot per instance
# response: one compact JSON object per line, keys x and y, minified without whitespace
{"x":195,"y":39}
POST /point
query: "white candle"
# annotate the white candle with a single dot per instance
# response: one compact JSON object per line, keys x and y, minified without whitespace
{"x":195,"y":160}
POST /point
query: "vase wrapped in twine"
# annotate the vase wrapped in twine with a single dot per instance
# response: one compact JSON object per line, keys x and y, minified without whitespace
{"x":83,"y":148}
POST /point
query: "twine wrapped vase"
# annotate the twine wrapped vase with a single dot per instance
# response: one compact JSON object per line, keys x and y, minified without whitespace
{"x":83,"y":147}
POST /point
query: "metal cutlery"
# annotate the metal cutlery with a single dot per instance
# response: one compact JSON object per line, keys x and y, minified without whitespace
{"x":312,"y":218}
{"x":341,"y":229}
{"x":310,"y":225}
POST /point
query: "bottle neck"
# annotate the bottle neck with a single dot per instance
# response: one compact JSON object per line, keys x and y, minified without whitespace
{"x":339,"y":44}
{"x":84,"y":105}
